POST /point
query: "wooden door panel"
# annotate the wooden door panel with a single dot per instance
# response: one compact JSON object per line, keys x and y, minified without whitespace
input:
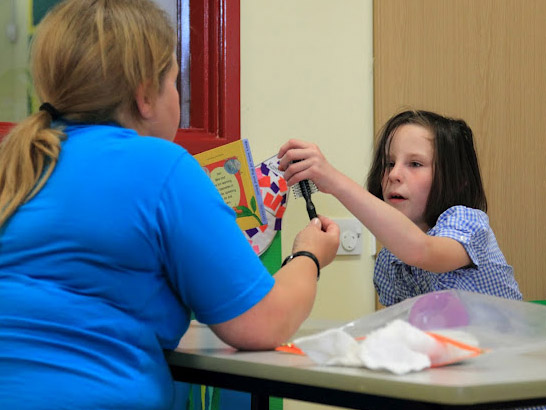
{"x":483,"y":61}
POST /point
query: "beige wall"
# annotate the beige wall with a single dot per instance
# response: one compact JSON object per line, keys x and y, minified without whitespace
{"x":307,"y":72}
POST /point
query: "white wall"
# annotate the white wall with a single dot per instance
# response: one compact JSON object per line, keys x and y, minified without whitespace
{"x":307,"y":72}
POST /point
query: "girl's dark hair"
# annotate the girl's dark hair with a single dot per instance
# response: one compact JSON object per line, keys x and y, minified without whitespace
{"x":456,"y":178}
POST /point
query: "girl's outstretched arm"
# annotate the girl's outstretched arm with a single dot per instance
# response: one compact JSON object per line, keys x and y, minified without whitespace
{"x":391,"y":227}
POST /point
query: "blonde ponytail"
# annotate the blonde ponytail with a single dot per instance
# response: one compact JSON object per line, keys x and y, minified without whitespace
{"x":28,"y":155}
{"x":88,"y":59}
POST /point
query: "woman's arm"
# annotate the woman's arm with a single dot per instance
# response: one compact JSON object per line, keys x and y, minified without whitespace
{"x":274,"y":319}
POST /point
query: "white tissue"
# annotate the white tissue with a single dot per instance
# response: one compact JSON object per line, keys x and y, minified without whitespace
{"x":398,"y":347}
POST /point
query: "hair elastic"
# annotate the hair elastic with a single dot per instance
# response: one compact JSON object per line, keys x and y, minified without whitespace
{"x":55,"y":114}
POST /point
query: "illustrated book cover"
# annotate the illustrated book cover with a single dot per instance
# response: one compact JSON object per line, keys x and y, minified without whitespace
{"x":231,"y":169}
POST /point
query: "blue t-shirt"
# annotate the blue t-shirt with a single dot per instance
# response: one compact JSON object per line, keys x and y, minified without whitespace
{"x":100,"y":270}
{"x":489,"y":273}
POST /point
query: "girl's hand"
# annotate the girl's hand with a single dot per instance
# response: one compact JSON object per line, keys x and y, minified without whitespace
{"x":303,"y":160}
{"x":320,"y":237}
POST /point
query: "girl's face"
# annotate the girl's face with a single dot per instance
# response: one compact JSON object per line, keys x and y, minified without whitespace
{"x":408,"y":176}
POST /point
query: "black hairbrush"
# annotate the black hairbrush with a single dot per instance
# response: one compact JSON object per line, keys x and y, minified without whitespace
{"x":305,"y":188}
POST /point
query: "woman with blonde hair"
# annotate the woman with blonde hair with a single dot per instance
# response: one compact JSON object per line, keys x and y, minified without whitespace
{"x":106,"y":226}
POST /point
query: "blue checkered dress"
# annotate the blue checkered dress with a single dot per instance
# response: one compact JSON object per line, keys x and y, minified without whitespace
{"x":490,"y":274}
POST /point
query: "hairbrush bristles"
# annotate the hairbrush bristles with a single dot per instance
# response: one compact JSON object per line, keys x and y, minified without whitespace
{"x":297,"y":191}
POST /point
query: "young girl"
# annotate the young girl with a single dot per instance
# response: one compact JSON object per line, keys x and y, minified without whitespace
{"x":425,"y":203}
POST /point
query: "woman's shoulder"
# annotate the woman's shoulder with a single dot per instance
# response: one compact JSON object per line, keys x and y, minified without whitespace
{"x":113,"y":136}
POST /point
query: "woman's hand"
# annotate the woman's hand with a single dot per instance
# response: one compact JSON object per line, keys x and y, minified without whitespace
{"x":321,"y":238}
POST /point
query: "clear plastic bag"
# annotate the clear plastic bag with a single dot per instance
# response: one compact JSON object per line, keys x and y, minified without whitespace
{"x":431,"y":330}
{"x":496,"y":323}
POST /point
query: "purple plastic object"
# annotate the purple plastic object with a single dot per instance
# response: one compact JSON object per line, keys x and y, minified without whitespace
{"x":438,"y":310}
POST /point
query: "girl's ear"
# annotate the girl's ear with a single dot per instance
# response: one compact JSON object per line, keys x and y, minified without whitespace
{"x":144,"y":101}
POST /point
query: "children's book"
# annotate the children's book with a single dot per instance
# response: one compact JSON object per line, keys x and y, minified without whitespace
{"x":231,"y":169}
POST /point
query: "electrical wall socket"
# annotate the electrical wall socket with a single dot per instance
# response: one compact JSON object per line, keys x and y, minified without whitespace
{"x":350,"y":237}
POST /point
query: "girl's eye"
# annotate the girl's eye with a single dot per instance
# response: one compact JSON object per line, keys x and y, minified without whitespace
{"x":390,"y":164}
{"x":415,"y":164}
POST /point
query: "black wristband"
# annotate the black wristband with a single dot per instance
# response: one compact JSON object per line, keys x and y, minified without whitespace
{"x":303,"y":253}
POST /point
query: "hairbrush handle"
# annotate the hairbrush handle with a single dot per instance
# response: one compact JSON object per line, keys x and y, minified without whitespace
{"x":306,"y":193}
